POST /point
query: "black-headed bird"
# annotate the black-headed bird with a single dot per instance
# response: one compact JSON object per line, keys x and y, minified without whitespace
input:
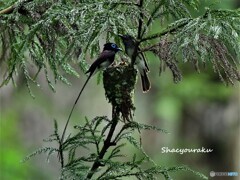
{"x":104,"y":60}
{"x":140,"y":61}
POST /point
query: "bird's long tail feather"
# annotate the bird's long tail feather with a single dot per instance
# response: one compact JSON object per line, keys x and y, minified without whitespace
{"x":65,"y":128}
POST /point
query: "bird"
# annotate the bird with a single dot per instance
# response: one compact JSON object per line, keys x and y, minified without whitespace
{"x":104,"y":60}
{"x":140,"y":62}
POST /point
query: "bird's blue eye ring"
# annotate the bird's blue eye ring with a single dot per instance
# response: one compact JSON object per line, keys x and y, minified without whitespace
{"x":113,"y":45}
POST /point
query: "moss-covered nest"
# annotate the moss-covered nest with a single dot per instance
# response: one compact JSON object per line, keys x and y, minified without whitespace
{"x":119,"y":83}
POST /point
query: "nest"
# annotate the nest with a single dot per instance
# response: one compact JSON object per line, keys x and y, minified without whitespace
{"x":119,"y":83}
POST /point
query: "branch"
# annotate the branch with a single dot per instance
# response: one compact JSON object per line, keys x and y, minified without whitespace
{"x":151,"y":18}
{"x":107,"y":144}
{"x":140,"y":21}
{"x":139,"y":35}
{"x":166,"y":31}
{"x":10,"y":9}
{"x":119,"y":85}
{"x":171,"y":29}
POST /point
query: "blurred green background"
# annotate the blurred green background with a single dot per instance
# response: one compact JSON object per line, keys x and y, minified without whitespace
{"x":198,"y":112}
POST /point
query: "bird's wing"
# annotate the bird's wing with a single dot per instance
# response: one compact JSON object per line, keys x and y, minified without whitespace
{"x":105,"y":55}
{"x":144,"y":59}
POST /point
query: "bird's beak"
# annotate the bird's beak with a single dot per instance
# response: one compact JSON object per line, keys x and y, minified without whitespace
{"x":120,"y":49}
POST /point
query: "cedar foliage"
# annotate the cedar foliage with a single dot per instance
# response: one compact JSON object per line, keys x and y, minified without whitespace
{"x":52,"y":34}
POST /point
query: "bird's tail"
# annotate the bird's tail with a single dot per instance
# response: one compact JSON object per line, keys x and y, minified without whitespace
{"x":145,"y":82}
{"x":75,"y":103}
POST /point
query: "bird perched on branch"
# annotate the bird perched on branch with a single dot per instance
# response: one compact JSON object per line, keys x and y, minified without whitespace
{"x":140,"y":61}
{"x":104,"y":60}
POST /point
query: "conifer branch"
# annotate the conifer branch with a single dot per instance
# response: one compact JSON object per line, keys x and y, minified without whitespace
{"x":10,"y":9}
{"x":166,"y":31}
{"x":106,"y":145}
{"x":152,"y":17}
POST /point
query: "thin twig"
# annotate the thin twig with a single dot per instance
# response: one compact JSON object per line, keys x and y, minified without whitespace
{"x":140,"y":21}
{"x":139,"y":36}
{"x":8,"y":10}
{"x":166,"y":31}
{"x":151,"y":18}
{"x":11,"y":8}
